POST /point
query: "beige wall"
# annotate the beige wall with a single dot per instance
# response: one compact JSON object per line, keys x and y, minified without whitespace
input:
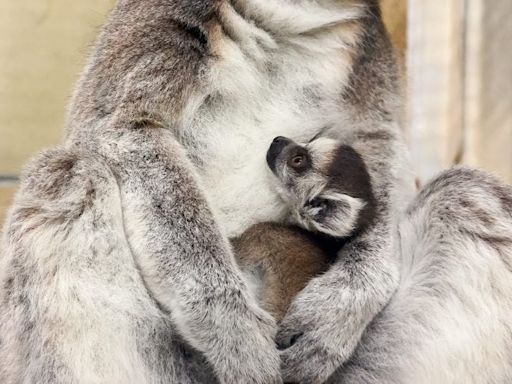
{"x":434,"y":60}
{"x":395,"y":16}
{"x":488,"y":103}
{"x":42,"y":50}
{"x":460,"y":85}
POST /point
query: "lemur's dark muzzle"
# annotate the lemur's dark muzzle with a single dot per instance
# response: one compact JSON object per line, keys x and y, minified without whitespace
{"x":275,"y":149}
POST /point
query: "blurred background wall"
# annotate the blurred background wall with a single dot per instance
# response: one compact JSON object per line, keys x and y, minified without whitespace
{"x":457,"y":53}
{"x":459,"y":63}
{"x":43,"y":46}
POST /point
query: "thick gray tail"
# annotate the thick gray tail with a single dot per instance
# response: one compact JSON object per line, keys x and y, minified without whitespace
{"x":451,"y":319}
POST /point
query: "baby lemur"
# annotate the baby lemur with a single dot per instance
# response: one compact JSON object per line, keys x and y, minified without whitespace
{"x":328,"y":189}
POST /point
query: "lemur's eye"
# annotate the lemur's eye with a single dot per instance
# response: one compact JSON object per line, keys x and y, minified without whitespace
{"x":299,"y":161}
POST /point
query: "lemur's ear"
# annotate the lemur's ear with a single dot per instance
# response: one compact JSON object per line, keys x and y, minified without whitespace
{"x":332,"y":213}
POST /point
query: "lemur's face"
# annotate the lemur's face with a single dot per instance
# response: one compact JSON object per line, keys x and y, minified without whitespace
{"x":325,"y":183}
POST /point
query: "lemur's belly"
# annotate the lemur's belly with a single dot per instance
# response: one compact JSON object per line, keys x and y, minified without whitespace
{"x":231,"y":159}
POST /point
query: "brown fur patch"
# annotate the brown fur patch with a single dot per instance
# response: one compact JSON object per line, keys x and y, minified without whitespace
{"x":289,"y":257}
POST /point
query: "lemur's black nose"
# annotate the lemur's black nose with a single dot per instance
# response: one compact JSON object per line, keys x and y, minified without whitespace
{"x":277,"y":146}
{"x":279,"y":139}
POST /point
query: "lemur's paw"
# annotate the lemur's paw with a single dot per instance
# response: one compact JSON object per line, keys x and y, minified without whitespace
{"x":311,"y":338}
{"x":307,"y":362}
{"x":257,"y":364}
{"x":250,"y":351}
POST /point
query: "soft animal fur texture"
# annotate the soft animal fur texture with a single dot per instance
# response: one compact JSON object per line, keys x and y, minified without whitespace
{"x":115,"y":263}
{"x":450,"y":321}
{"x":279,"y":260}
{"x":328,"y":191}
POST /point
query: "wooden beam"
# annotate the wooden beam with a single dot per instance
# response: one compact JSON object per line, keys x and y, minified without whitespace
{"x":488,"y":103}
{"x":395,"y":17}
{"x":435,"y":84}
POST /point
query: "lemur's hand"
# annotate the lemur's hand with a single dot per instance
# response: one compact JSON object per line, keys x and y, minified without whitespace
{"x":326,"y":321}
{"x":253,"y":359}
{"x":312,"y":337}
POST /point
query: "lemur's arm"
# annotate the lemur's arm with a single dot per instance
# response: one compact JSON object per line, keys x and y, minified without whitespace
{"x":184,"y":259}
{"x":326,"y":321}
{"x":141,"y":86}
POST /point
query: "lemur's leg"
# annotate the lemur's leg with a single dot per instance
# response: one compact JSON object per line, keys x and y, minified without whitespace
{"x":326,"y":321}
{"x":73,"y":306}
{"x":183,"y":257}
{"x":450,"y":319}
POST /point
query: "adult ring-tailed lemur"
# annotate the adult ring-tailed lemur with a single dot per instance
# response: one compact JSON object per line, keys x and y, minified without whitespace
{"x":116,"y":255}
{"x":115,"y":263}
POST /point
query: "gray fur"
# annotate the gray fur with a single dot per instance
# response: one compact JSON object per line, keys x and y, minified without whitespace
{"x":115,"y":253}
{"x":450,"y":321}
{"x":328,"y":190}
{"x":329,"y":316}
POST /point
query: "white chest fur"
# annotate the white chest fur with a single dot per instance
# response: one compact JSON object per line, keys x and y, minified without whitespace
{"x":262,"y":86}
